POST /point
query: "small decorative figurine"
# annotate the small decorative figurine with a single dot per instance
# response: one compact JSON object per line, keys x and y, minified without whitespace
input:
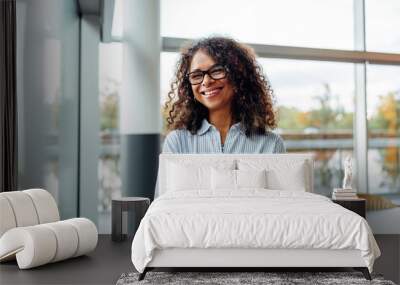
{"x":348,"y":173}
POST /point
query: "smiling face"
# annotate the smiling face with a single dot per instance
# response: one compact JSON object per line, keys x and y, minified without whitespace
{"x":213,"y":94}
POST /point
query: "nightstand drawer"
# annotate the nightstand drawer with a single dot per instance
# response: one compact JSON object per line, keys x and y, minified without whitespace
{"x":358,"y":206}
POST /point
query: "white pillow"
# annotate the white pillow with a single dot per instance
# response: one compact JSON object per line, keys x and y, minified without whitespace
{"x":294,"y":180}
{"x":182,"y":178}
{"x":223,"y":179}
{"x":251,"y":178}
{"x":281,"y":174}
{"x":190,"y":176}
{"x":236,"y":179}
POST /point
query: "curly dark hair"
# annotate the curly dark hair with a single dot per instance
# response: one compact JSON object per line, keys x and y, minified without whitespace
{"x":252,"y":104}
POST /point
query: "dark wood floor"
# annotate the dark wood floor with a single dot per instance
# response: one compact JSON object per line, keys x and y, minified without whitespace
{"x":103,"y":266}
{"x":111,"y":259}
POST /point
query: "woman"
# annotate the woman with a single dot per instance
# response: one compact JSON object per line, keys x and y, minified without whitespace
{"x":220,"y":102}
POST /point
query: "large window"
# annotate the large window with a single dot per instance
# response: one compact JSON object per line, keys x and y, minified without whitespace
{"x":47,"y":58}
{"x":382,"y":25}
{"x":110,"y":72}
{"x":308,"y":23}
{"x":317,"y":100}
{"x":383,"y":103}
{"x":334,"y":105}
{"x":315,"y":105}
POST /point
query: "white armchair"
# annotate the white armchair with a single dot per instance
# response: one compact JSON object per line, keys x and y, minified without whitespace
{"x":31,"y":230}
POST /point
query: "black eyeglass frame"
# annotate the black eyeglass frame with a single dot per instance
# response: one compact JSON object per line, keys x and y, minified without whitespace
{"x":208,"y":72}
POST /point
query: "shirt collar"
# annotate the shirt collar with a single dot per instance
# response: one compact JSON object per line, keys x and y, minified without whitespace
{"x":205,"y":126}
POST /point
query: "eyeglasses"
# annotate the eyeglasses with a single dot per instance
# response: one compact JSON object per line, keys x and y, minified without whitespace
{"x":216,"y":72}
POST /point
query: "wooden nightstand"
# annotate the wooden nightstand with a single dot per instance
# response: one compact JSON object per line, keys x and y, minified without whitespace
{"x":358,"y":205}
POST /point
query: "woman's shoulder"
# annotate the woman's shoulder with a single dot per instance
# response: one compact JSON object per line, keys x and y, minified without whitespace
{"x":174,"y":140}
{"x":272,"y":135}
{"x":268,"y":136}
{"x":274,"y":142}
{"x":177,"y":133}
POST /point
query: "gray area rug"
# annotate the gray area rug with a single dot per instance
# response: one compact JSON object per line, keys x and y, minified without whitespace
{"x":225,"y":278}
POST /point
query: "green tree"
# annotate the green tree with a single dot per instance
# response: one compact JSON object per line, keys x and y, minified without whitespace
{"x":109,"y":105}
{"x":386,"y":122}
{"x":322,"y":117}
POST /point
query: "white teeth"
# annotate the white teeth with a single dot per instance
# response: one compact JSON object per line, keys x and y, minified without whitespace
{"x":211,"y":93}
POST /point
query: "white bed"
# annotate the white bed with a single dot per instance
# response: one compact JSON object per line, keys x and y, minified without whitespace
{"x":247,"y":211}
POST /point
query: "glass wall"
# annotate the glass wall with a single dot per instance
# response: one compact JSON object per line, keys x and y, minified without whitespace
{"x":306,"y":23}
{"x":109,"y":175}
{"x":315,"y":104}
{"x":48,"y":99}
{"x":383,"y":118}
{"x":382,"y":21}
{"x":316,"y":99}
{"x":383,"y":103}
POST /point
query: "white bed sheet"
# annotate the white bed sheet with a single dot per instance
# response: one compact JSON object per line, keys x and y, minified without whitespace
{"x":250,"y":218}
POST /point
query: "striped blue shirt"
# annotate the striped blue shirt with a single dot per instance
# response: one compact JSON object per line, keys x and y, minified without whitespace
{"x":208,"y":140}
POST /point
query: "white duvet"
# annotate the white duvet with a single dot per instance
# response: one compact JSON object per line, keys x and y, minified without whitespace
{"x":253,"y":218}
